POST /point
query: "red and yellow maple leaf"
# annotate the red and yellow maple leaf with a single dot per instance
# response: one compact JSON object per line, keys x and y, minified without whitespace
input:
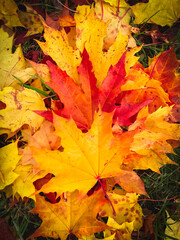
{"x":162,"y":68}
{"x":80,"y":102}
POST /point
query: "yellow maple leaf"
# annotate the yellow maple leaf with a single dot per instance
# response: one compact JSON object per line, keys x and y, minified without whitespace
{"x":68,"y":58}
{"x":57,"y":46}
{"x":128,"y":214}
{"x":73,"y":215}
{"x":93,"y":40}
{"x":19,"y":107}
{"x":30,"y":20}
{"x":156,"y":11}
{"x":23,"y":185}
{"x":86,"y":158}
{"x":8,"y":160}
{"x":8,"y":13}
{"x":152,"y":143}
{"x":172,"y":228}
{"x":12,"y":63}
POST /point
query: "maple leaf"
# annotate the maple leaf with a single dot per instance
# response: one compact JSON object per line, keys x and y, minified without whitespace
{"x":8,"y":14}
{"x":67,"y":57}
{"x":125,"y":113}
{"x":111,"y":85}
{"x":128,"y":214}
{"x":80,"y":102}
{"x":128,"y":181}
{"x":70,"y":215}
{"x":117,"y":21}
{"x":30,"y":20}
{"x":139,"y":87}
{"x":19,"y":107}
{"x":12,"y":63}
{"x":93,"y":40}
{"x":8,"y":160}
{"x":58,"y":48}
{"x":151,"y":142}
{"x":45,"y":137}
{"x":23,"y":185}
{"x":162,"y":68}
{"x":41,"y":69}
{"x":158,"y":12}
{"x":172,"y":228}
{"x":86,"y":158}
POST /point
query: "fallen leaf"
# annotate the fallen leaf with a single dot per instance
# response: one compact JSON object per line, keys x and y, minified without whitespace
{"x":125,"y":113}
{"x":93,"y":40}
{"x":57,"y":47}
{"x":12,"y":63}
{"x":67,"y":21}
{"x":23,"y":185}
{"x":127,"y":211}
{"x":45,"y":137}
{"x":30,"y":19}
{"x":70,"y":216}
{"x":116,"y":21}
{"x":91,"y":156}
{"x":80,"y":102}
{"x":163,"y":67}
{"x":148,"y":224}
{"x":158,"y":12}
{"x":8,"y":160}
{"x":172,"y":229}
{"x":52,"y":21}
{"x":20,"y":105}
{"x":9,"y":15}
{"x":151,"y":141}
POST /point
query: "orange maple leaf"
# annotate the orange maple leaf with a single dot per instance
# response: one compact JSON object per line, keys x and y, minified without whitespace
{"x":72,"y":215}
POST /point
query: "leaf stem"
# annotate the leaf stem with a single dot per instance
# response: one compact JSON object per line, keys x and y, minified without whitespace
{"x":157,"y":200}
{"x":99,"y":180}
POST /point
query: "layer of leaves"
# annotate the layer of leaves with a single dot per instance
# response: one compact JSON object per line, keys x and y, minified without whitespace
{"x":112,"y":116}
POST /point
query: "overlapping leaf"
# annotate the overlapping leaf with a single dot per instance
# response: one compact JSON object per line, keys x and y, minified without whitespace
{"x":86,"y":158}
{"x":18,"y":109}
{"x":73,"y":215}
{"x":12,"y":63}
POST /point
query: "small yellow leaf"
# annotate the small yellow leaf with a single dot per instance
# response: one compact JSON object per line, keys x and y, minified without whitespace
{"x":8,"y":160}
{"x":156,"y":11}
{"x":123,"y":230}
{"x":57,"y":47}
{"x":126,"y":207}
{"x":19,"y":107}
{"x":23,"y":185}
{"x":8,"y":14}
{"x":12,"y":63}
{"x":151,"y":143}
{"x":31,"y":21}
{"x":173,"y":228}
